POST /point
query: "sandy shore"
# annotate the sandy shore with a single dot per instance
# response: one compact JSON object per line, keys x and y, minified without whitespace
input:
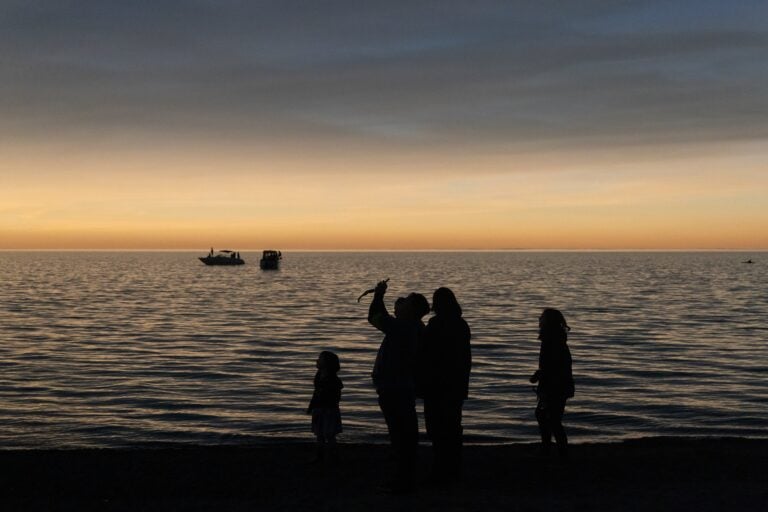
{"x":648,"y":474}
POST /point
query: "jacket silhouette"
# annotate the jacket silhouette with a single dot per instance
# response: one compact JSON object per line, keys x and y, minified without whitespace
{"x":395,"y":360}
{"x":444,"y":363}
{"x":555,"y":372}
{"x":327,"y":391}
{"x":445,"y":358}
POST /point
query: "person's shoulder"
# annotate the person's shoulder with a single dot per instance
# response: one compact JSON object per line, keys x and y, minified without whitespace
{"x":407,"y":324}
{"x":383,"y":320}
{"x":458,"y":322}
{"x":465,"y":326}
{"x":447,"y":323}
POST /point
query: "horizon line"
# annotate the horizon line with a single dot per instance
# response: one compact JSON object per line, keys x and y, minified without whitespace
{"x":692,"y":249}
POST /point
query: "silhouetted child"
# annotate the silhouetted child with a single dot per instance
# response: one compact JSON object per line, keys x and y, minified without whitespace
{"x":555,"y":380}
{"x":324,"y":406}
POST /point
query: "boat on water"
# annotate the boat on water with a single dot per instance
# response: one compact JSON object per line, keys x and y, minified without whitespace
{"x":270,"y":259}
{"x":223,"y":257}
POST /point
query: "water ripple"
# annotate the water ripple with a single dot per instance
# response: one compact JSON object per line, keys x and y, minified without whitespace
{"x":128,"y":349}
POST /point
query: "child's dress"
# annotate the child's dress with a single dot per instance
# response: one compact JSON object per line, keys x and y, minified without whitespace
{"x":326,"y":417}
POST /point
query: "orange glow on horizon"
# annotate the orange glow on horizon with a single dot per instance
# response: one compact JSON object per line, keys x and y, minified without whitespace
{"x":195,"y":199}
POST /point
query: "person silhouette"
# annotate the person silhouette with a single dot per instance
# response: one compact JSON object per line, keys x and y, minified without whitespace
{"x":445,"y":360}
{"x":394,"y":380}
{"x":324,"y":406}
{"x":555,"y":380}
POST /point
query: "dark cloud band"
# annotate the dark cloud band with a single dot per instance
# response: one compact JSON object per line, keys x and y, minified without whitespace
{"x":426,"y":73}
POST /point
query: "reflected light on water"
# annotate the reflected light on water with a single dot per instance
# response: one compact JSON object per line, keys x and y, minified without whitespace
{"x":123,"y":349}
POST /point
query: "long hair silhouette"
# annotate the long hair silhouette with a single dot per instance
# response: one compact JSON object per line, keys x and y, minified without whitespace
{"x":552,"y":325}
{"x":444,"y":303}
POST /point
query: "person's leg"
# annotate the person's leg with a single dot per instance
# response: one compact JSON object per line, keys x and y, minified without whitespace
{"x":391,"y":409}
{"x":556,"y":425}
{"x":433,"y":423}
{"x":454,"y":437}
{"x":400,"y":414}
{"x":409,"y":439}
{"x":332,"y":448}
{"x":319,"y":449}
{"x":443,"y":417}
{"x":544,"y":428}
{"x":443,"y":439}
{"x":429,"y":417}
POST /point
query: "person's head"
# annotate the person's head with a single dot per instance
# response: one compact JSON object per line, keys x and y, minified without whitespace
{"x":416,"y":306}
{"x":328,"y":362}
{"x":552,"y":325}
{"x":444,"y":303}
{"x":399,"y":306}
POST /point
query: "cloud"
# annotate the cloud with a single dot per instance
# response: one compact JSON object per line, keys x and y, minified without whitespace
{"x":512,"y":75}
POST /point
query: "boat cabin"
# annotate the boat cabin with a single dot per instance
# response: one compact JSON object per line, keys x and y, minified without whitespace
{"x":270,"y":259}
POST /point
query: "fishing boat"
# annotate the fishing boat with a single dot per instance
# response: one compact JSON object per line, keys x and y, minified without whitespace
{"x":270,"y":259}
{"x":223,"y":257}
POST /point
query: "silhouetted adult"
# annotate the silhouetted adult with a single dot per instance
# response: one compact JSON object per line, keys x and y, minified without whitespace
{"x":445,"y":360}
{"x":394,"y":379}
{"x":555,"y":378}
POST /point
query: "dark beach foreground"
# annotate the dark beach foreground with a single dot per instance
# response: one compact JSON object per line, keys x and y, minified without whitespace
{"x":646,"y":474}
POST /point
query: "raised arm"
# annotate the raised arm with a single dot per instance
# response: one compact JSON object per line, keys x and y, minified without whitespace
{"x":378,"y":316}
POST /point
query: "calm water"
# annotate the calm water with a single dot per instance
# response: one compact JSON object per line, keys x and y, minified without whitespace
{"x":121,"y":349}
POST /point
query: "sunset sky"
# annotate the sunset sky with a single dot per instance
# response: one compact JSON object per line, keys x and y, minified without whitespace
{"x":387,"y":125}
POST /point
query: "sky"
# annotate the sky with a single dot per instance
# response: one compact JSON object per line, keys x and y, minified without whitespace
{"x":383,"y":125}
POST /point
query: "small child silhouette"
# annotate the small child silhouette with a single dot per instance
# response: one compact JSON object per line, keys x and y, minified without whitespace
{"x":324,"y":406}
{"x":554,"y":378}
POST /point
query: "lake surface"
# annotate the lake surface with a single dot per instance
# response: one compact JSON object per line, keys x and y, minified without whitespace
{"x":113,"y":349}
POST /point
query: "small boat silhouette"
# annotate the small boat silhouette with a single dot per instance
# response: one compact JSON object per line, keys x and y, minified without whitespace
{"x":270,"y":259}
{"x":748,"y":261}
{"x":223,"y":257}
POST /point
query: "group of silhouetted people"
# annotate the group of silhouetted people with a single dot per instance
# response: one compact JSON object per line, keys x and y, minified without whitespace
{"x":433,"y":362}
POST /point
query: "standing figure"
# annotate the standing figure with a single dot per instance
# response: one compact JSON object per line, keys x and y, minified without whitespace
{"x":324,"y":406}
{"x":445,"y":360}
{"x":394,"y":379}
{"x":555,"y":380}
